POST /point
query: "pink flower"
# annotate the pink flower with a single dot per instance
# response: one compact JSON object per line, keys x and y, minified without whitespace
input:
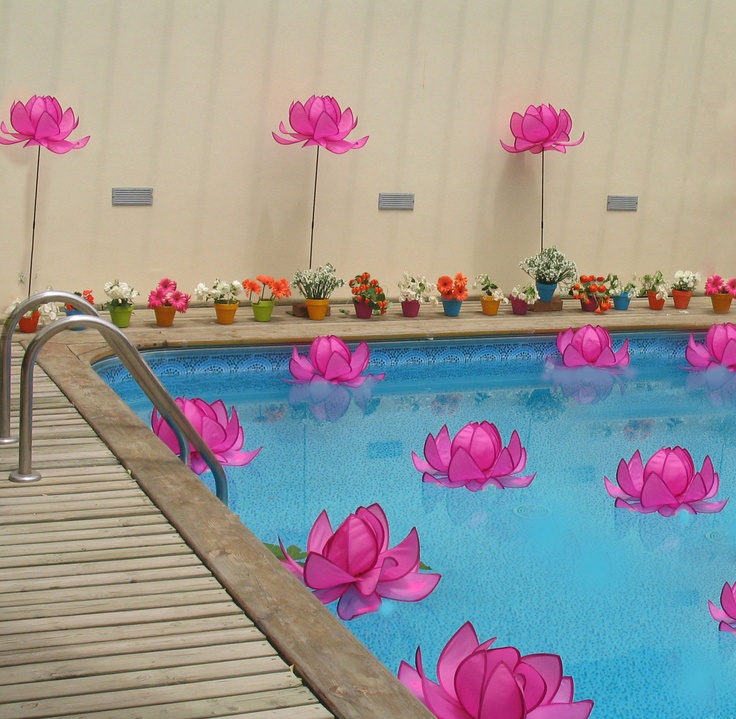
{"x":223,"y":435}
{"x":180,"y":300}
{"x":718,"y":350}
{"x":40,"y":121}
{"x":475,"y":681}
{"x":727,"y":615}
{"x":156,"y":298}
{"x":668,"y":482}
{"x":320,"y":121}
{"x":166,"y":284}
{"x":541,"y":128}
{"x":330,"y":360}
{"x":166,"y":295}
{"x":590,"y":347}
{"x":474,"y":459}
{"x":355,"y":565}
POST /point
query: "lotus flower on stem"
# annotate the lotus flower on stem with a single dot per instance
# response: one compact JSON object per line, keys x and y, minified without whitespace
{"x":40,"y":122}
{"x":355,"y":565}
{"x":223,"y":434}
{"x":667,"y":483}
{"x":478,"y":681}
{"x":591,"y":346}
{"x":718,"y":349}
{"x":726,"y":615}
{"x":473,"y":459}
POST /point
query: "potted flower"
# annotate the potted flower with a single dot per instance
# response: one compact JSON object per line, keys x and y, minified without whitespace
{"x":621,"y":292}
{"x":549,"y":268}
{"x":267,"y":290}
{"x":166,"y":301}
{"x":413,"y":291}
{"x":682,"y":288}
{"x":317,"y":285}
{"x":721,"y":292}
{"x":521,"y":297}
{"x":452,"y":292}
{"x":120,"y":304}
{"x":43,"y":314}
{"x":593,"y":293}
{"x":492,"y":296}
{"x":225,"y":297}
{"x":655,"y":288}
{"x":368,"y":296}
{"x":70,"y":310}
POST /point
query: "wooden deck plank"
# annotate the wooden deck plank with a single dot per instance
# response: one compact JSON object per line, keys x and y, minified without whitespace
{"x":84,"y":527}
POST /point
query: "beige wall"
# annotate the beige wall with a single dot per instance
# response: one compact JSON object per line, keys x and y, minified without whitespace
{"x":182,"y":95}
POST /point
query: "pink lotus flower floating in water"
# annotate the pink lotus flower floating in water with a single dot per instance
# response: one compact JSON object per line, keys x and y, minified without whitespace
{"x":474,"y":459}
{"x":541,"y":128}
{"x":355,"y":565}
{"x":223,"y":435}
{"x":727,"y":615}
{"x":330,"y":360}
{"x":41,"y":122}
{"x":591,"y":346}
{"x":718,"y":350}
{"x":320,"y":121}
{"x":475,"y":681}
{"x":667,"y":483}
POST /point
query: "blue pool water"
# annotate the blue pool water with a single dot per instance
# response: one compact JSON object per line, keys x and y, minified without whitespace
{"x":555,"y":567}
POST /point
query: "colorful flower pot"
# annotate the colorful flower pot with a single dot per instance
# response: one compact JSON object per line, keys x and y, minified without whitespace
{"x":120,"y":315}
{"x":518,"y":306}
{"x":72,"y":313}
{"x":410,"y":308}
{"x":721,"y":302}
{"x":654,"y":303}
{"x":681,"y":298}
{"x":452,"y":307}
{"x":225,"y":312}
{"x":546,"y":292}
{"x":164,"y":315}
{"x":363,"y":310}
{"x":589,"y":305}
{"x":30,"y":324}
{"x":263,"y":309}
{"x":317,"y":309}
{"x":622,"y":301}
{"x":489,"y":305}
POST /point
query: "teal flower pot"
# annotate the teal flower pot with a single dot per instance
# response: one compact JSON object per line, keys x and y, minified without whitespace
{"x":452,"y":307}
{"x":546,"y":292}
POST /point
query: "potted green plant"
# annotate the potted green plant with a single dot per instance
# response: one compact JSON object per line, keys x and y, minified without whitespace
{"x":492,"y":296}
{"x":655,"y":288}
{"x":521,"y":297}
{"x":549,"y":268}
{"x":621,"y":292}
{"x":267,"y":290}
{"x":225,"y":297}
{"x":682,"y":288}
{"x":414,"y":290}
{"x":317,"y":285}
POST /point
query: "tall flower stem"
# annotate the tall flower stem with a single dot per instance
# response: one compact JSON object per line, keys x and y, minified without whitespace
{"x":541,"y":226}
{"x":314,"y":206}
{"x":33,"y":224}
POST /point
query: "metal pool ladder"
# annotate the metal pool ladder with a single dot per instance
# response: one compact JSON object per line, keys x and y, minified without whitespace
{"x":128,"y":355}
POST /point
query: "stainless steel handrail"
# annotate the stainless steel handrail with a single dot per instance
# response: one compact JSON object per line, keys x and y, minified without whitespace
{"x":6,"y":346}
{"x":142,"y":374}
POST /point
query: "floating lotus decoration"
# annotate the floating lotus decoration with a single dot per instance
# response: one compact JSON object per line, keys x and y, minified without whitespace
{"x":330,"y":360}
{"x":355,"y":565}
{"x":223,"y":434}
{"x":319,"y":122}
{"x":539,"y":129}
{"x":40,"y":122}
{"x":474,"y":459}
{"x":329,"y":402}
{"x":591,"y":346}
{"x":718,"y":349}
{"x":667,"y":483}
{"x":585,"y":385}
{"x":478,"y":681}
{"x":726,"y":615}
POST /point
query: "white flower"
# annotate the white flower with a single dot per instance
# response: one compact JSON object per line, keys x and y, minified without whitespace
{"x":120,"y":293}
{"x":686,"y":280}
{"x":417,"y":288}
{"x":224,"y":292}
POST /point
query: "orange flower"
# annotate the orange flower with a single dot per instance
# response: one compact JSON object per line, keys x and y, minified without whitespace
{"x":265,"y":280}
{"x":444,"y":285}
{"x":252,"y":287}
{"x":281,"y":288}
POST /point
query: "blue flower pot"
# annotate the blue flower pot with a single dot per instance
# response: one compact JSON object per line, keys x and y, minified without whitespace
{"x":71,"y":313}
{"x":452,"y":307}
{"x":546,"y":292}
{"x":621,"y":302}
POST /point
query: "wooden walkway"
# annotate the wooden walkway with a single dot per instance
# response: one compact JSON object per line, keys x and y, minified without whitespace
{"x":104,"y":609}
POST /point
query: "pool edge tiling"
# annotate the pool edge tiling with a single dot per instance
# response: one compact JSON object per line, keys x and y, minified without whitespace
{"x":342,"y":673}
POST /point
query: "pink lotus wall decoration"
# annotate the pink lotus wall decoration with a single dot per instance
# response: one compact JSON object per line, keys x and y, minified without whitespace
{"x":478,"y":681}
{"x":726,"y":615}
{"x":474,"y":459}
{"x":591,"y":346}
{"x":319,"y":122}
{"x":223,"y":434}
{"x":40,"y":122}
{"x":718,"y":349}
{"x":667,"y":483}
{"x":539,"y":129}
{"x":355,"y":565}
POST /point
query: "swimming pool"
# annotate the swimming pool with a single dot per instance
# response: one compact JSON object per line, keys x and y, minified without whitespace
{"x":554,"y":567}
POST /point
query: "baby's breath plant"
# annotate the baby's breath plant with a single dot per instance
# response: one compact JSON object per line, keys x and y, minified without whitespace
{"x":550,"y":267}
{"x":318,"y":283}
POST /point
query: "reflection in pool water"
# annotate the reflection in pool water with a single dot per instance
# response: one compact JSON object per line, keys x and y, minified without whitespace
{"x":553,"y":567}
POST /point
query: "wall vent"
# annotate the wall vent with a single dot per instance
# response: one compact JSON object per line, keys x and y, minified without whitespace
{"x":628,"y":203}
{"x":396,"y":201}
{"x":132,"y":196}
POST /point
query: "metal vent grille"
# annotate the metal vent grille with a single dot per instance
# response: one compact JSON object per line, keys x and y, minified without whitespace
{"x":623,"y":202}
{"x":132,"y":195}
{"x":395,"y":201}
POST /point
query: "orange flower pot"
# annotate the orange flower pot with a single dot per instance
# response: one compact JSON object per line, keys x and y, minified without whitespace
{"x":489,"y":305}
{"x":721,"y":302}
{"x":225,"y":312}
{"x":654,"y":303}
{"x":165,"y":316}
{"x":317,"y":309}
{"x":681,"y":298}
